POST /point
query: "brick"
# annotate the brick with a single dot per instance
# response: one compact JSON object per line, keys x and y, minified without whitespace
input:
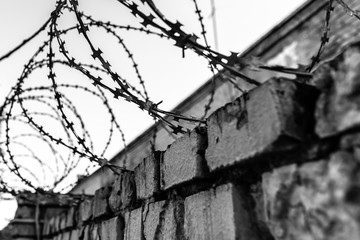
{"x":85,"y":232}
{"x":25,"y":212}
{"x":23,"y":229}
{"x":70,"y":217}
{"x":58,"y":237}
{"x":65,"y":236}
{"x":94,"y":232}
{"x":338,"y":107}
{"x":51,"y":211}
{"x":56,"y":225}
{"x":123,"y":192}
{"x":51,"y":226}
{"x":184,"y":159}
{"x":22,"y":238}
{"x":47,"y":227}
{"x":133,"y":225}
{"x":112,"y":229}
{"x":86,"y":210}
{"x":147,"y":176}
{"x":101,"y":204}
{"x":271,"y":118}
{"x":315,"y":200}
{"x":63,"y":218}
{"x":221,"y":213}
{"x":163,"y":220}
{"x":75,"y":235}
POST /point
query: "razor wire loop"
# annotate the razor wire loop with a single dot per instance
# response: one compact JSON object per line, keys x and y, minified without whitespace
{"x":18,"y":91}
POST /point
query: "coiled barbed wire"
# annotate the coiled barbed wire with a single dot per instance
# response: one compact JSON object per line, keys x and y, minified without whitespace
{"x":76,"y":138}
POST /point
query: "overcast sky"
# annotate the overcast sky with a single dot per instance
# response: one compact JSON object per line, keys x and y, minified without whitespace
{"x":168,"y":76}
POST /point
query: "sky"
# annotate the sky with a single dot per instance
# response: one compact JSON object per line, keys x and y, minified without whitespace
{"x":168,"y":76}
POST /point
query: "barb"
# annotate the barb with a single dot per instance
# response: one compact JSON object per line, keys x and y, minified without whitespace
{"x":324,"y":38}
{"x":200,"y":18}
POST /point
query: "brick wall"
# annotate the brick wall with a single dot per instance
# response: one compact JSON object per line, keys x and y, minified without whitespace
{"x":293,"y":41}
{"x":280,"y":162}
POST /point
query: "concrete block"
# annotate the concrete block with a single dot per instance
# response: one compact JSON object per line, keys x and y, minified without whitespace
{"x":86,"y":210}
{"x":184,"y":159}
{"x":147,"y":176}
{"x":112,"y":229}
{"x":271,"y":118}
{"x":123,"y":192}
{"x":101,"y":203}
{"x":221,"y":213}
{"x":163,"y":220}
{"x":133,"y":225}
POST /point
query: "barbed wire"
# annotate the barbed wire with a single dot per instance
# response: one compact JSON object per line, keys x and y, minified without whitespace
{"x":76,"y":138}
{"x":349,"y":10}
{"x":211,"y":67}
{"x":324,"y":37}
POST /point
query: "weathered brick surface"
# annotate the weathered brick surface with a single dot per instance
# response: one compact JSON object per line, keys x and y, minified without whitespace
{"x":85,"y":232}
{"x":56,"y":225}
{"x":94,"y":232}
{"x":47,"y":226}
{"x":338,"y":107}
{"x":25,"y":212}
{"x":24,"y":230}
{"x":70,"y":217}
{"x":53,"y":210}
{"x":112,"y":229}
{"x":101,"y":203}
{"x":123,"y":192}
{"x":58,"y":237}
{"x":267,"y":119}
{"x":133,"y":225}
{"x":184,"y":159}
{"x":75,"y":234}
{"x":86,"y":209}
{"x":65,"y":236}
{"x":221,"y":213}
{"x":318,"y":200}
{"x":314,"y":200}
{"x":163,"y":220}
{"x":63,"y":218}
{"x":147,"y":176}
